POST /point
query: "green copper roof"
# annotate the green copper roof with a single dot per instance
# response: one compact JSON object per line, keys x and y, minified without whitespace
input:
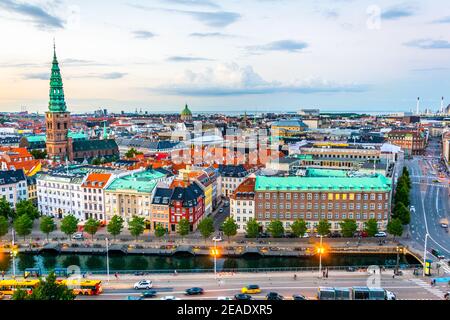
{"x":144,"y":181}
{"x":302,"y":156}
{"x":42,"y":138}
{"x":186,"y":111}
{"x":77,"y":135}
{"x":37,"y":138}
{"x":374,"y":183}
{"x":325,"y":173}
{"x":57,"y":102}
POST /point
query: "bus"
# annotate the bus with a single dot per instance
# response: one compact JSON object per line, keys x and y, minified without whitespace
{"x":8,"y":287}
{"x":83,"y":287}
{"x":354,"y":293}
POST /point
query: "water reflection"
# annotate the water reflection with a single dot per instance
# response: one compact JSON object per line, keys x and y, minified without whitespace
{"x":178,"y":262}
{"x":70,"y":260}
{"x":95,"y":262}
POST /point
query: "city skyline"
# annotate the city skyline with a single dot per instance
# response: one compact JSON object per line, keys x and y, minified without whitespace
{"x":159,"y":55}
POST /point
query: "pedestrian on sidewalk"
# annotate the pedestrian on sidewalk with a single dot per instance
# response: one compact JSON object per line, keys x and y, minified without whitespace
{"x":116,"y":275}
{"x":3,"y":274}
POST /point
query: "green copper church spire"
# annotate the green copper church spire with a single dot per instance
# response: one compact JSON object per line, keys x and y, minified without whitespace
{"x":105,"y":134}
{"x":57,"y":102}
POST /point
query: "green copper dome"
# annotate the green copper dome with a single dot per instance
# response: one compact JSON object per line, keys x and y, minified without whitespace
{"x":186,"y":111}
{"x":57,"y":102}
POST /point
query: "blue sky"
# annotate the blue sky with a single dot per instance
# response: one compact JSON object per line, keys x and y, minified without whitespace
{"x":263,"y":55}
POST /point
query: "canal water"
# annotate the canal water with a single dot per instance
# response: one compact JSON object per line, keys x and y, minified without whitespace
{"x":97,"y":263}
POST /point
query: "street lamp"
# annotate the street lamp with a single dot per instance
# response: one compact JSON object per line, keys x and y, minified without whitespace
{"x":320,"y":250}
{"x":107,"y":259}
{"x":215,"y":253}
{"x":14,"y":252}
{"x":398,"y":259}
{"x":425,"y":253}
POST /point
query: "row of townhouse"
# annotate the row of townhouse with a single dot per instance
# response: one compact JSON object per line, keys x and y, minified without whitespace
{"x":131,"y":195}
{"x":13,"y":186}
{"x":95,"y":192}
{"x":312,"y":199}
{"x":192,"y":195}
{"x":153,"y":194}
{"x":73,"y":190}
{"x":230,"y":177}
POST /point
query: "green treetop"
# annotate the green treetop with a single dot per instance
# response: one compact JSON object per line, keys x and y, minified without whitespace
{"x":276,"y":228}
{"x":47,"y":225}
{"x":229,"y":227}
{"x":69,"y":224}
{"x":206,"y":227}
{"x":115,"y":226}
{"x":252,"y":228}
{"x":136,"y":226}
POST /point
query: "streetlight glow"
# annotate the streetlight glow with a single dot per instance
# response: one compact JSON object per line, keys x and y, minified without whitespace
{"x":215,"y":252}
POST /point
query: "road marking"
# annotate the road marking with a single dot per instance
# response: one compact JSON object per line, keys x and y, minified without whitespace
{"x":433,"y":290}
{"x":426,"y":227}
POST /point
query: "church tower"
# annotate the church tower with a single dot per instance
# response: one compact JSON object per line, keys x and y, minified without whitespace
{"x":57,"y":118}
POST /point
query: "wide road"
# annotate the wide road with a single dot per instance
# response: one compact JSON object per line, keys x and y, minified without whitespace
{"x":406,"y":287}
{"x":430,"y":197}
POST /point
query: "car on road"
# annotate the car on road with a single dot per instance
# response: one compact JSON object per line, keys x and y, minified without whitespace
{"x":78,"y":236}
{"x":221,"y":210}
{"x":264,"y":235}
{"x":134,"y":298}
{"x":298,"y":297}
{"x":217,"y":238}
{"x":143,"y":284}
{"x":335,"y":234}
{"x":169,"y":298}
{"x":306,"y":235}
{"x":412,"y":208}
{"x":251,"y":289}
{"x":289,"y":235}
{"x":380,"y":234}
{"x":362,"y":234}
{"x":437,"y":254}
{"x":274,"y":296}
{"x":242,"y":296}
{"x":224,"y":298}
{"x":194,"y":291}
{"x":149,"y":294}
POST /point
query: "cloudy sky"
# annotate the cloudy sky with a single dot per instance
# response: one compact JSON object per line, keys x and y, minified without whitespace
{"x":229,"y":55}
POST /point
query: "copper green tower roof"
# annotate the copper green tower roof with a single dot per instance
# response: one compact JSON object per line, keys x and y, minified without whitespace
{"x":57,"y":102}
{"x":186,"y":111}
